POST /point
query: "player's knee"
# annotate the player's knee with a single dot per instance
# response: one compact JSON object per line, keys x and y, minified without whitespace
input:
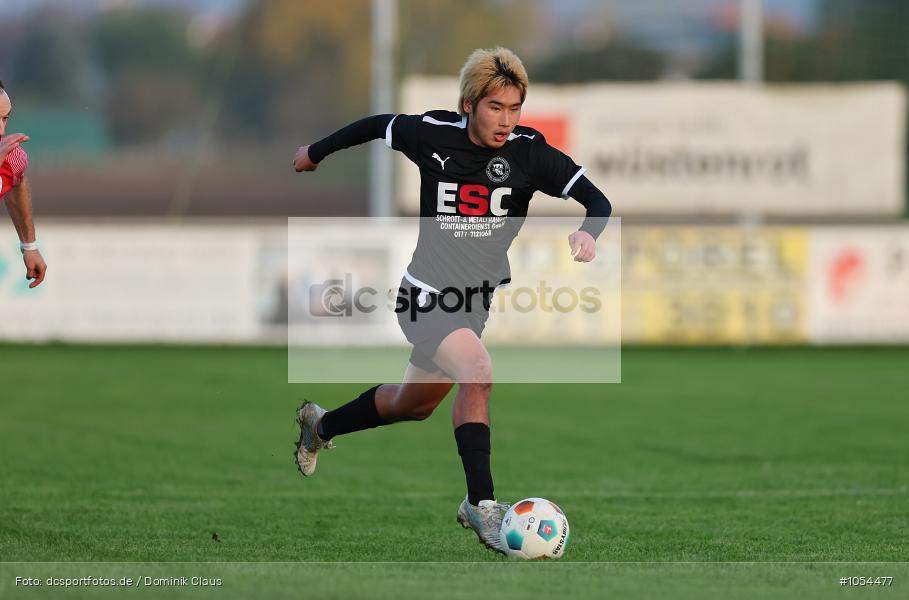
{"x":479,"y":372}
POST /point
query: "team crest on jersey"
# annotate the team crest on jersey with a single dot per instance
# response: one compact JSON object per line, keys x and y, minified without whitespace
{"x":498,"y":169}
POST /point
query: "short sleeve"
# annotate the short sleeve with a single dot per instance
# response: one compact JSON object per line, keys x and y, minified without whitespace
{"x":18,"y":162}
{"x":553,"y":171}
{"x":13,"y":169}
{"x":402,"y":134}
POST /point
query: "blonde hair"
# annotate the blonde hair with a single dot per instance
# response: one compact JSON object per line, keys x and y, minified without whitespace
{"x":489,"y":70}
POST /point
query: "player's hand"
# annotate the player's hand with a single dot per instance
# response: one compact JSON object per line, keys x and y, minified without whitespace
{"x":302,"y":161}
{"x":35,"y":267}
{"x":583,"y":246}
{"x":8,"y":142}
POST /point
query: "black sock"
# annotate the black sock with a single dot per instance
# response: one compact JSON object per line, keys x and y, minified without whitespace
{"x":474,"y":448}
{"x":356,"y":415}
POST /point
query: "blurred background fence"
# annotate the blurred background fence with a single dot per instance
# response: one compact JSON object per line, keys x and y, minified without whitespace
{"x":756,"y":151}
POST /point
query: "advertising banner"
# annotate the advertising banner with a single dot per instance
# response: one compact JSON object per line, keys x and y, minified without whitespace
{"x":711,"y":148}
{"x":859,"y":291}
{"x":243,"y":283}
{"x":133,"y":283}
{"x":714,"y":285}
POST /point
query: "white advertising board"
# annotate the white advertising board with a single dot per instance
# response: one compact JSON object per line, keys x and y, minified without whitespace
{"x":216,"y":283}
{"x":711,"y":148}
{"x":859,"y":290}
{"x":148,"y":283}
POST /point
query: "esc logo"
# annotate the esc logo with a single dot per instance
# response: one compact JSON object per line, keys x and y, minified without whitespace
{"x":472,"y":200}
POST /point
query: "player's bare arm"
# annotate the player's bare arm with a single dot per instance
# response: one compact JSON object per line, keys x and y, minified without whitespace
{"x":16,"y":191}
{"x":19,"y":206}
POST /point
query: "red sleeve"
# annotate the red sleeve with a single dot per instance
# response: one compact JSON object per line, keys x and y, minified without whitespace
{"x":18,"y":162}
{"x":13,"y":169}
{"x":6,"y":178}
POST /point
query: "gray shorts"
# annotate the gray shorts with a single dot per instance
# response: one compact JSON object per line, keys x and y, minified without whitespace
{"x":426,"y":326}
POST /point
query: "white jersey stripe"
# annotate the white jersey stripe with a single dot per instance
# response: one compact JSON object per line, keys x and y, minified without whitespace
{"x":388,"y":131}
{"x":460,"y":124}
{"x":577,"y":176}
{"x":424,"y":287}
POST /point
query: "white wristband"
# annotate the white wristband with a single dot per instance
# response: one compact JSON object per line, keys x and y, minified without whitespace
{"x":27,"y":246}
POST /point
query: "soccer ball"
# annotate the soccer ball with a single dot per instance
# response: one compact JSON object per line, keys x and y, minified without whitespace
{"x":534,"y":528}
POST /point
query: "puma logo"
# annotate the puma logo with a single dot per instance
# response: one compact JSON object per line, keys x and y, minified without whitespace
{"x":436,"y":156}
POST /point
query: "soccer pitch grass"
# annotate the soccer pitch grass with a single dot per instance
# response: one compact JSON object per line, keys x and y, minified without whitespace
{"x":765,"y":473}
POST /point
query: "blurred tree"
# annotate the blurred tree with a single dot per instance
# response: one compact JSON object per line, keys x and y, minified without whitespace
{"x":305,"y":67}
{"x":154,"y":74}
{"x":853,"y":41}
{"x":864,"y":40}
{"x":786,"y":58}
{"x":299,"y":65}
{"x":617,"y":60}
{"x":52,"y":63}
{"x":436,"y":36}
{"x":151,"y":38}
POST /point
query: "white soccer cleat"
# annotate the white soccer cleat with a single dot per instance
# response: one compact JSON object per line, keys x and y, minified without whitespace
{"x":309,"y":444}
{"x":485,"y":520}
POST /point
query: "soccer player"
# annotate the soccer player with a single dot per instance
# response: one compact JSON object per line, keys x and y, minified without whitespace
{"x":16,"y":191}
{"x":476,"y":164}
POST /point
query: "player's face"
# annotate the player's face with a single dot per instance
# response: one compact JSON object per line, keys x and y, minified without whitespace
{"x":6,"y":107}
{"x":494,"y":117}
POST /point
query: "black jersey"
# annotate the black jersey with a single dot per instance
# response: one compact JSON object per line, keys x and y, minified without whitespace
{"x":473,"y":199}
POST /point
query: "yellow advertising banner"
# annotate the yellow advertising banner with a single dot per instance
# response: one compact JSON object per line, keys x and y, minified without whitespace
{"x":714,"y":285}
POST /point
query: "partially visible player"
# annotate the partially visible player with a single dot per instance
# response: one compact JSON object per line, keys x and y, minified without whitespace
{"x":16,"y":192}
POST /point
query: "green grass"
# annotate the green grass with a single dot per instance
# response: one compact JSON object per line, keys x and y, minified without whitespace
{"x":138,"y":454}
